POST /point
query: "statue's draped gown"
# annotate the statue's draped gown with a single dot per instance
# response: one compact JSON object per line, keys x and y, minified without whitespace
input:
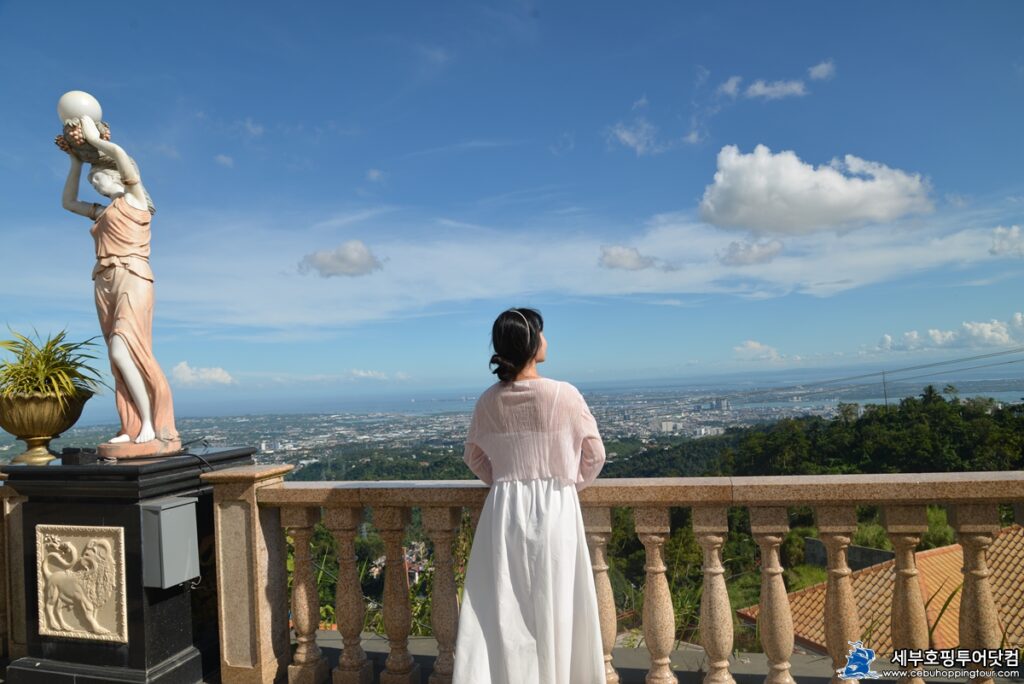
{"x":124,"y":302}
{"x":529,"y":608}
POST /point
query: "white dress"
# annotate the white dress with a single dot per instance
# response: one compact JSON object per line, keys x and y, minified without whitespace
{"x":529,"y":609}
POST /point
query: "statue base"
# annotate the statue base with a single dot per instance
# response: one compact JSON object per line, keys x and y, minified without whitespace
{"x":171,"y":632}
{"x":152,"y":449}
{"x":182,"y":668}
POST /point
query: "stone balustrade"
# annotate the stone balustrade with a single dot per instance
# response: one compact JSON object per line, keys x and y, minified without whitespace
{"x":255,"y":507}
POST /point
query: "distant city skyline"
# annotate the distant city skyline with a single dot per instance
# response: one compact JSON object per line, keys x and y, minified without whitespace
{"x":348,"y":195}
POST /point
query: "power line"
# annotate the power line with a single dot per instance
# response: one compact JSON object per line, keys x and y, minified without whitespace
{"x":850,"y":388}
{"x":809,"y":387}
{"x":957,"y":370}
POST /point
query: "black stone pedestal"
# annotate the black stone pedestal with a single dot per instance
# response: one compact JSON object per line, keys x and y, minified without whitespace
{"x":172,"y":633}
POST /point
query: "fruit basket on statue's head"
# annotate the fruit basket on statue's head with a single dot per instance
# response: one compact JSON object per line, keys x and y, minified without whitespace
{"x":71,"y":108}
{"x":43,"y":389}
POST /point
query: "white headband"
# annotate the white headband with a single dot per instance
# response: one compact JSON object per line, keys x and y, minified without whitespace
{"x":529,"y":330}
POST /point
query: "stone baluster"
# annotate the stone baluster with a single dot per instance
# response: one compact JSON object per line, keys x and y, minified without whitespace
{"x":711,"y":526}
{"x":308,"y":664}
{"x":976,"y":527}
{"x":836,"y":525}
{"x":774,"y":620}
{"x":598,"y":524}
{"x":652,"y":526}
{"x":252,"y":577}
{"x":909,"y":622}
{"x":349,"y":604}
{"x":399,"y":667}
{"x":442,"y":524}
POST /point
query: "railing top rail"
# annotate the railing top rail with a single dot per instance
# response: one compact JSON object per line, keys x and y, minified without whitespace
{"x":795,"y":490}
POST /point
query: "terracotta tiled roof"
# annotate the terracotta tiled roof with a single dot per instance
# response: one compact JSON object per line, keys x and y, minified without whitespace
{"x":940,"y":574}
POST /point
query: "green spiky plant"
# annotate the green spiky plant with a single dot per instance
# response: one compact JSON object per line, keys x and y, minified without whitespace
{"x":54,"y":367}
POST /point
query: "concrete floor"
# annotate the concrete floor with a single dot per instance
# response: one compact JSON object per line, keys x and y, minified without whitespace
{"x":688,"y":663}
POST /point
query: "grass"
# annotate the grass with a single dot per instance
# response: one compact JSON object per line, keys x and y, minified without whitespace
{"x":801,"y":576}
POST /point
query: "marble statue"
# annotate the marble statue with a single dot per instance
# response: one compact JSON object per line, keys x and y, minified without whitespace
{"x":123,"y":280}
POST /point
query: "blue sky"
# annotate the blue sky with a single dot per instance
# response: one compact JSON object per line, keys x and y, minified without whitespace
{"x":348,"y":194}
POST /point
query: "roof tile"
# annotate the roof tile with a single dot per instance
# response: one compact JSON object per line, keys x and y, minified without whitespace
{"x":940,"y":574}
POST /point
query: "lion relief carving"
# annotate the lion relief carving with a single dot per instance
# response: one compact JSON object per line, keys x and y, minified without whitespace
{"x":78,"y":580}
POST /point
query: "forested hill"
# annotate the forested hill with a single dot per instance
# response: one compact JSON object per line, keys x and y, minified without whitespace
{"x":927,"y":433}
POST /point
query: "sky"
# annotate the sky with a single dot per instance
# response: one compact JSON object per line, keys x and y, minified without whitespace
{"x":348,"y":194}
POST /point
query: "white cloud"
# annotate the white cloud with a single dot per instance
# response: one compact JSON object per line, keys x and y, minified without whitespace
{"x":352,"y":258}
{"x":779,"y":193}
{"x":343,"y":219}
{"x":368,"y":374}
{"x":1007,"y":241}
{"x":940,"y":338}
{"x":970,"y":335}
{"x":430,"y":267}
{"x":626,"y":258}
{"x":641,"y":103}
{"x":375,"y":176}
{"x":702,"y":75}
{"x":640,"y":135}
{"x":823,"y":71}
{"x":354,"y":375}
{"x":186,"y":376}
{"x":747,"y":253}
{"x":957,"y":200}
{"x":752,"y":350}
{"x":775,"y":90}
{"x":731,"y":87}
{"x":249,"y":128}
{"x":225,"y":160}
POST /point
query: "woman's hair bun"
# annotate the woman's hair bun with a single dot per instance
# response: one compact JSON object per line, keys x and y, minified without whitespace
{"x":505,"y":369}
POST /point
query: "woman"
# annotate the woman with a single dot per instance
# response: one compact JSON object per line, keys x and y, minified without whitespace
{"x":529,"y":609}
{"x":124,"y":295}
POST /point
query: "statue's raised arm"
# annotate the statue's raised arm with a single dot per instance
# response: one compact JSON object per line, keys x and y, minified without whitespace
{"x":70,"y":199}
{"x":123,"y":279}
{"x":123,"y":177}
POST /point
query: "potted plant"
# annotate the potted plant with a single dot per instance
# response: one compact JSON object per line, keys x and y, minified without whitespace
{"x":43,"y":390}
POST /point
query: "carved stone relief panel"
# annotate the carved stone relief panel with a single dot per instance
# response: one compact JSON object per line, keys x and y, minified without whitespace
{"x":81,"y":582}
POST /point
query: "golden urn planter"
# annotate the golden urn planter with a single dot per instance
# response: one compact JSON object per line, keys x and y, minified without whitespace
{"x":38,"y":418}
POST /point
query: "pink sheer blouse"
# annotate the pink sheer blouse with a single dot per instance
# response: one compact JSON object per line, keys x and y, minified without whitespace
{"x":532,"y":429}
